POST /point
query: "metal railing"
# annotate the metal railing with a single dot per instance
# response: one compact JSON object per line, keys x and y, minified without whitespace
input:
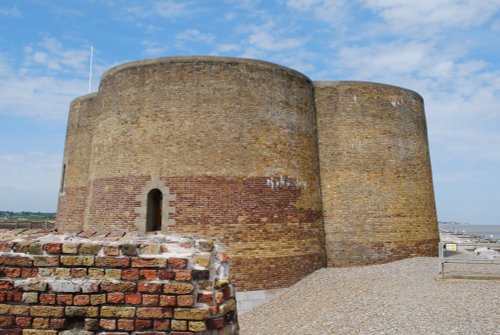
{"x":468,"y":253}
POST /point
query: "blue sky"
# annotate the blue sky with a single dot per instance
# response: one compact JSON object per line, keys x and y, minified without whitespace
{"x":447,"y":50}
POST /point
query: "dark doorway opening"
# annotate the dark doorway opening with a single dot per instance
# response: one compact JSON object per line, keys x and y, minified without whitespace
{"x":153,"y":216}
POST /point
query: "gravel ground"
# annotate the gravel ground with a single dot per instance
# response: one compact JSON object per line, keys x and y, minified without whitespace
{"x":403,"y":297}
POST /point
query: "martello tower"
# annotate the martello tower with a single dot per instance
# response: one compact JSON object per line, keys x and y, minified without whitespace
{"x":274,"y":166}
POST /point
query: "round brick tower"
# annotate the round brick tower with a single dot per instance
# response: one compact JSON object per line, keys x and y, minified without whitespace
{"x":207,"y":146}
{"x":73,"y":191}
{"x":378,"y":199}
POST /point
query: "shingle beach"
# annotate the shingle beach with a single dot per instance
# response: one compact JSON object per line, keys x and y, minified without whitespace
{"x":403,"y":297}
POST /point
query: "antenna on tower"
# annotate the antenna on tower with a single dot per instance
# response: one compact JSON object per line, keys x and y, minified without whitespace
{"x":90,"y":67}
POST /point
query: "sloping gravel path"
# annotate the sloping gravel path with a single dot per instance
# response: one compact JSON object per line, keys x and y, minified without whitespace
{"x":402,"y":297}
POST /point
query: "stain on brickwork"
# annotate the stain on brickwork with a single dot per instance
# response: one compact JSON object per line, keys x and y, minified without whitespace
{"x":236,"y":143}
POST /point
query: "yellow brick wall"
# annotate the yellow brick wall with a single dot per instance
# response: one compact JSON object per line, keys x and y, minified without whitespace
{"x":236,"y":147}
{"x":377,"y":191}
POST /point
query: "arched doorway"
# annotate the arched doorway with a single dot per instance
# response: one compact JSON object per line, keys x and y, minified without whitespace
{"x":155,"y":204}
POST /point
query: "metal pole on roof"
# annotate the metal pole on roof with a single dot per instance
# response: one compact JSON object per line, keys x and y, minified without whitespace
{"x":90,"y":68}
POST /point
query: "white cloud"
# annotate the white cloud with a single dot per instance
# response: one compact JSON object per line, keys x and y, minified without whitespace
{"x":36,"y":94}
{"x":153,"y":48}
{"x":194,"y":35}
{"x":44,"y":98}
{"x":165,"y":8}
{"x":29,"y":179}
{"x":431,"y":15}
{"x":51,"y":53}
{"x":266,"y":41}
{"x":171,"y":9}
{"x":11,"y":12}
{"x":332,"y":11}
{"x":228,"y":47}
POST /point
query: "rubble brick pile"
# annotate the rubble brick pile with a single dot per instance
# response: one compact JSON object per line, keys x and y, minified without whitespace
{"x":95,"y":283}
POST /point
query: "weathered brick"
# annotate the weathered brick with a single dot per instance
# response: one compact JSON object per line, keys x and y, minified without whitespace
{"x":6,"y":284}
{"x":117,"y":312}
{"x":77,"y":260}
{"x":55,"y":323}
{"x":116,"y":298}
{"x":197,"y":326}
{"x":46,"y":311}
{"x":148,"y":274}
{"x":178,"y":288}
{"x":161,"y":324}
{"x":79,"y":272}
{"x":89,"y":248}
{"x":149,"y":249}
{"x":191,"y":313}
{"x":64,"y":299}
{"x":177,"y":263}
{"x":129,"y":249}
{"x":141,"y":324}
{"x":96,"y":273}
{"x":133,"y":298}
{"x":97,"y":299}
{"x":6,"y":321}
{"x":166,"y":274}
{"x":111,"y":250}
{"x":35,"y":248}
{"x":107,"y":324}
{"x":112,"y":262}
{"x":23,"y":321}
{"x":91,"y":324}
{"x":40,"y":323}
{"x":39,"y":332}
{"x":11,"y":272}
{"x":150,"y":299}
{"x":227,"y":306}
{"x":185,"y":300}
{"x":125,"y":324}
{"x":81,"y":299}
{"x":33,"y":285}
{"x":62,"y":272}
{"x":130,"y":274}
{"x":154,"y":312}
{"x":22,"y":310}
{"x":149,"y":287}
{"x":140,"y":262}
{"x":179,"y":325}
{"x":206,"y":297}
{"x":47,"y":299}
{"x":70,"y":248}
{"x":6,"y":246}
{"x":46,"y":260}
{"x":183,"y":275}
{"x":168,"y":300}
{"x":118,"y":287}
{"x":30,"y":297}
{"x":16,"y":260}
{"x":29,"y":272}
{"x":53,"y":247}
{"x":85,"y":311}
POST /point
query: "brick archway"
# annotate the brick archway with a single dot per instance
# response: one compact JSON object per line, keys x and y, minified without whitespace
{"x":166,"y":209}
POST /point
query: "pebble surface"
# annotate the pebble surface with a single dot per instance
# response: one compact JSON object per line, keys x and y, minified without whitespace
{"x":403,"y":297}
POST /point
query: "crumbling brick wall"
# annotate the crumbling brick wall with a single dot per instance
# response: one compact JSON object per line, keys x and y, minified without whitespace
{"x":113,"y":284}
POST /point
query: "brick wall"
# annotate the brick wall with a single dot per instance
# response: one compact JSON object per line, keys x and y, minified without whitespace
{"x":113,"y":284}
{"x":74,"y":181}
{"x":235,"y":142}
{"x":377,"y":191}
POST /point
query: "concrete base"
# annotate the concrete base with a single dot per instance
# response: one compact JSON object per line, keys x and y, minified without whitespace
{"x":250,"y":299}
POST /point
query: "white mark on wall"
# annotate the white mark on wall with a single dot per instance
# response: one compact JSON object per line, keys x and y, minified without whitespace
{"x":281,"y":182}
